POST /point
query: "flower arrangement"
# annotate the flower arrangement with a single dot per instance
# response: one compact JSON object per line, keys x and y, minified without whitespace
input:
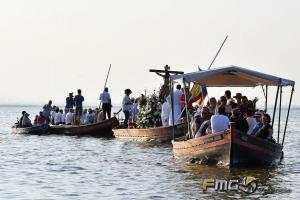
{"x":149,"y":111}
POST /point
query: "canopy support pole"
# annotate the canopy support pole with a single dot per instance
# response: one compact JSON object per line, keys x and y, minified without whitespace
{"x":275,"y":106}
{"x":266,"y":102}
{"x":279,"y":114}
{"x":288,"y":113}
{"x":172,"y":108}
{"x":186,"y":110}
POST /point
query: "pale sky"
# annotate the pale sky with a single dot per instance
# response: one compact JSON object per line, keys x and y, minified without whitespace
{"x":49,"y":48}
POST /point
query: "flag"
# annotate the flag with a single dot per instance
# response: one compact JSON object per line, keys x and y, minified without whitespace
{"x":198,"y":94}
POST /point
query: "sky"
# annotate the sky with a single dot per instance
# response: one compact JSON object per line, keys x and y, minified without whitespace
{"x":51,"y":48}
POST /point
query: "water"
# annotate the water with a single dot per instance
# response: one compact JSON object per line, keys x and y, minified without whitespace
{"x":64,"y":167}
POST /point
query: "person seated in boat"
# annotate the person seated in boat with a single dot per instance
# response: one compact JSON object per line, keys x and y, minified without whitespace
{"x":205,"y":127}
{"x":83,"y":118}
{"x":100,"y":116}
{"x":219,"y":122}
{"x":26,"y":122}
{"x":52,"y":114}
{"x":251,"y":120}
{"x":266,"y":131}
{"x":238,"y":98}
{"x":70,"y":117}
{"x":41,"y":119}
{"x":199,"y":118}
{"x":223,"y":102}
{"x":21,"y":119}
{"x":243,"y":106}
{"x":259,"y":124}
{"x":57,"y":117}
{"x":241,"y":123}
{"x":63,"y":116}
{"x":212,"y":105}
{"x":90,"y":118}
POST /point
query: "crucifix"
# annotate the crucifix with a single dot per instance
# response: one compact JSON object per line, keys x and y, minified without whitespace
{"x":166,"y":73}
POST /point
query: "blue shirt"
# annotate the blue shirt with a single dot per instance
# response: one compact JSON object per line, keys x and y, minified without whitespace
{"x":256,"y":128}
{"x":69,"y":102}
{"x":78,"y":100}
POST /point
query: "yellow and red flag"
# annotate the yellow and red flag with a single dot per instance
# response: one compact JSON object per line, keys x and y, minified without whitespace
{"x":198,"y":94}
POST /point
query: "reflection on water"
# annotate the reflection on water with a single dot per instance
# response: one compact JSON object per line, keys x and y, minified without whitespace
{"x":62,"y":167}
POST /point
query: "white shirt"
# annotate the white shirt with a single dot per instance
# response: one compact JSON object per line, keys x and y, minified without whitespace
{"x":69,"y":118}
{"x":57,"y":118}
{"x":126,"y":103}
{"x":177,"y":96}
{"x":105,"y":97}
{"x":219,"y":123}
{"x":63,"y":118}
{"x":252,"y":123}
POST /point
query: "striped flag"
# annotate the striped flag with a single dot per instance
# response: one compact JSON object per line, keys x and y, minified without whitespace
{"x":198,"y":94}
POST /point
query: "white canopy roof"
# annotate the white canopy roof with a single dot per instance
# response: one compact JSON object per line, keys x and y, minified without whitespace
{"x":232,"y":76}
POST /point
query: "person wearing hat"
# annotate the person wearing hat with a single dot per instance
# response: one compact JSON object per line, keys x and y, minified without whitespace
{"x":126,"y":106}
{"x":26,"y":122}
{"x":238,"y":97}
{"x":240,"y":122}
{"x":106,"y":103}
{"x":259,"y":124}
{"x":70,"y":101}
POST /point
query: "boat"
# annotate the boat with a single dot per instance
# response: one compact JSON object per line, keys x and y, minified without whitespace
{"x":34,"y":130}
{"x":233,"y":148}
{"x":158,"y":134}
{"x":100,"y":129}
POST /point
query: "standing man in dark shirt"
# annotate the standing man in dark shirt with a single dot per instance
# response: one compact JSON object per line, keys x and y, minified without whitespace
{"x":70,"y":101}
{"x":78,"y":102}
{"x":106,"y":103}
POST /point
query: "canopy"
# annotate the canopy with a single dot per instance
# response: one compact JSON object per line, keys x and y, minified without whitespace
{"x":232,"y":76}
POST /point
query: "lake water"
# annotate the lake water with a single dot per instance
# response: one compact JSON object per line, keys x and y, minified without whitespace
{"x":64,"y":167}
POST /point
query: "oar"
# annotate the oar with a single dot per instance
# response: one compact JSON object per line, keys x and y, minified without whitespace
{"x":105,"y":83}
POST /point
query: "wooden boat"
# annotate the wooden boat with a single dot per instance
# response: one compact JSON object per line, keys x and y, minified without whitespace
{"x":159,"y":134}
{"x":34,"y":130}
{"x":233,"y":148}
{"x":101,"y":129}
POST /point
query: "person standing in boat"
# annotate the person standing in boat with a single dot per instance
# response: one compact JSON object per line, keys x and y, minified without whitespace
{"x":177,"y":106}
{"x":47,"y":111}
{"x":21,"y":119}
{"x":126,"y":106}
{"x":106,"y":103}
{"x":78,"y":103}
{"x":70,"y":101}
{"x":165,"y":113}
{"x":219,"y":122}
{"x":212,"y":105}
{"x":238,"y":97}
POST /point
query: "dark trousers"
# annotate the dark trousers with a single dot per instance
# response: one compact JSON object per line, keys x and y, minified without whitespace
{"x":78,"y":111}
{"x":126,"y":113}
{"x":106,"y":110}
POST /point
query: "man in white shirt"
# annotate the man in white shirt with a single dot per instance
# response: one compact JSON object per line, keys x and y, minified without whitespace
{"x":70,"y":117}
{"x":177,"y":106}
{"x":106,"y":103}
{"x":165,"y":113}
{"x":219,"y":122}
{"x":57,"y":117}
